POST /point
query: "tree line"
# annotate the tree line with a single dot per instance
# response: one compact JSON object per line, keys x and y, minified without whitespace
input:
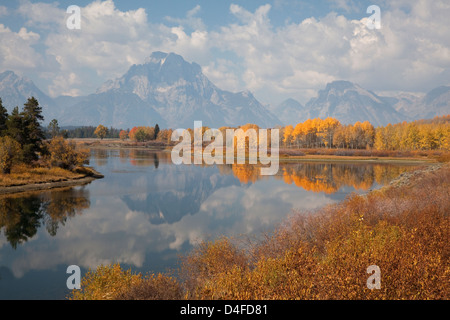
{"x":23,"y":140}
{"x":89,"y":132}
{"x":428,"y":134}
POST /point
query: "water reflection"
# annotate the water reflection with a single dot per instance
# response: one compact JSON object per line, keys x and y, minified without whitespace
{"x":147,"y":210}
{"x":172,"y":192}
{"x":21,"y":216}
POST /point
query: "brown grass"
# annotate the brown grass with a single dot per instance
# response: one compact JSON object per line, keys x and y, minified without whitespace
{"x":22,"y":175}
{"x":363,"y":154}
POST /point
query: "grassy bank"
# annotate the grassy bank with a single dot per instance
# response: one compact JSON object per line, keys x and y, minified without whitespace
{"x":402,"y":228}
{"x":27,"y":178}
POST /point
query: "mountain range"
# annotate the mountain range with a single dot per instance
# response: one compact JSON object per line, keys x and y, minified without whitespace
{"x":172,"y":92}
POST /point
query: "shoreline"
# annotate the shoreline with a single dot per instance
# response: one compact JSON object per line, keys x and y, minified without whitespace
{"x":114,"y":144}
{"x":87,"y":178}
{"x":48,"y":185}
{"x":333,"y":158}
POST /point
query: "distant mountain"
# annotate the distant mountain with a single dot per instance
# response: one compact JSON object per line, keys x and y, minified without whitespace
{"x":419,"y":106}
{"x":167,"y":90}
{"x":350,"y":103}
{"x":289,"y":111}
{"x":181,"y":94}
{"x":15,"y":91}
{"x":435,"y":103}
{"x":114,"y":108}
{"x":404,"y":102}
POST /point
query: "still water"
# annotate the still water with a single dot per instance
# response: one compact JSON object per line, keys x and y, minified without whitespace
{"x":147,"y":211}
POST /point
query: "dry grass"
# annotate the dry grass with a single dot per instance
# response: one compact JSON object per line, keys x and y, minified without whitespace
{"x":22,"y":175}
{"x":364,"y":154}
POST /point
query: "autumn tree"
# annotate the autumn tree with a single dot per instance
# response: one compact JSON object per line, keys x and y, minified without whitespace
{"x":340,"y":137}
{"x":142,"y":134}
{"x":327,"y":129}
{"x":63,"y":154}
{"x":287,"y":136}
{"x":10,"y":153}
{"x":123,"y":135}
{"x":165,"y":135}
{"x":101,"y":131}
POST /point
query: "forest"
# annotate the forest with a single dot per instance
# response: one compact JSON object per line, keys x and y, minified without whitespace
{"x":428,"y":134}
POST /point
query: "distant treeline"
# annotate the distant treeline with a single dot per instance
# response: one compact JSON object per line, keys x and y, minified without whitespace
{"x":88,"y":132}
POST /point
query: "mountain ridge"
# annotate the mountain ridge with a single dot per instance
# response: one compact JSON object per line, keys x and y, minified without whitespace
{"x":172,"y":92}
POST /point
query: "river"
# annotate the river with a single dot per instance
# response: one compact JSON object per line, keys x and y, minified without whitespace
{"x":147,"y":211}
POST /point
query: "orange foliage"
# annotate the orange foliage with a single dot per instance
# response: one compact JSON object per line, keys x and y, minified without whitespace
{"x":325,"y":255}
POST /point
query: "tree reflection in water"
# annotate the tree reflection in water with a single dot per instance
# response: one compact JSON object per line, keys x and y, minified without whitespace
{"x":321,"y":177}
{"x":312,"y":176}
{"x":22,"y":215}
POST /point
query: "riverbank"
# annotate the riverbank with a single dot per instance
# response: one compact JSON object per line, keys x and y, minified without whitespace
{"x":24,"y":179}
{"x":288,"y":155}
{"x":313,"y":255}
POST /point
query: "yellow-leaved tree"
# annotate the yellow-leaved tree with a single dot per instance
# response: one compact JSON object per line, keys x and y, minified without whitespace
{"x":10,"y":152}
{"x":101,"y":131}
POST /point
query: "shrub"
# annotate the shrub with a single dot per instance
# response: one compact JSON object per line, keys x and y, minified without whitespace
{"x":10,"y":153}
{"x":325,"y":255}
{"x":153,"y":287}
{"x":105,"y":283}
{"x":64,"y":154}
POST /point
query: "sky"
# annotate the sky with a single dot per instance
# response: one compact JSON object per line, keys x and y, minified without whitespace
{"x":276,"y":49}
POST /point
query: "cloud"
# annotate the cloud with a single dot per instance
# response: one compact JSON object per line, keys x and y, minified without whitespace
{"x":190,"y":20}
{"x":41,"y":15}
{"x":16,"y":49}
{"x":410,"y":52}
{"x":411,"y":46}
{"x":108,"y":43}
{"x":223,"y":74}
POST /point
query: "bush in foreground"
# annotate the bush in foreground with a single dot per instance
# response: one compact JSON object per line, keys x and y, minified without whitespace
{"x":111,"y":282}
{"x":63,"y":154}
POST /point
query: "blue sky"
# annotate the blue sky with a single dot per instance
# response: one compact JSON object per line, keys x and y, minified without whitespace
{"x":276,"y":49}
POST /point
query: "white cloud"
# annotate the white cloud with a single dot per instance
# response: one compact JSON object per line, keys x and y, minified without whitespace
{"x":298,"y":57}
{"x":42,"y":15}
{"x":222,"y":73}
{"x":410,"y":52}
{"x":16,"y":49}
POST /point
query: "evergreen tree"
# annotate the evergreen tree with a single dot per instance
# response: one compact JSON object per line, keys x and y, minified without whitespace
{"x":3,"y":119}
{"x":15,"y":126}
{"x":34,"y":134}
{"x":156,"y":131}
{"x":53,"y":128}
